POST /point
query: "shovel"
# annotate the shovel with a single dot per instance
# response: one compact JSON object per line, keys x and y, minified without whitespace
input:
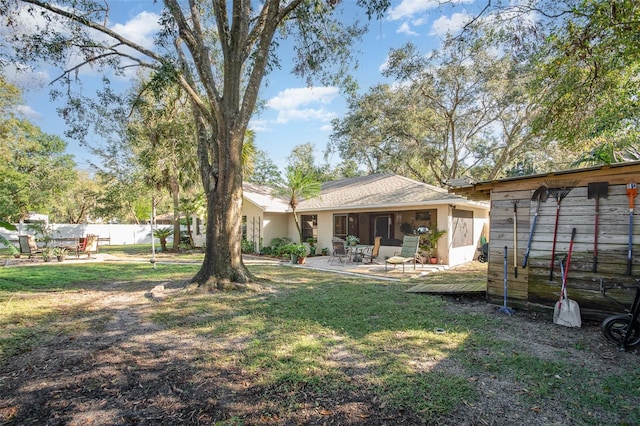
{"x":597,"y":190}
{"x":566,"y":311}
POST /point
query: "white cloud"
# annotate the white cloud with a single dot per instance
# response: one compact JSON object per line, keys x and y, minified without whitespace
{"x":409,"y":8}
{"x":404,"y":28}
{"x":292,"y":98}
{"x":308,"y":114}
{"x":450,"y":25}
{"x":290,"y":102}
{"x":259,"y":126}
{"x":140,"y":29}
{"x":28,"y":112}
{"x":25,"y":77}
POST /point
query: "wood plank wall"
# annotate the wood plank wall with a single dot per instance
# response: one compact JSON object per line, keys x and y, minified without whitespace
{"x":533,"y":288}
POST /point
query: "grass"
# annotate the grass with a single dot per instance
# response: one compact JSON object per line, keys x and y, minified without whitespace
{"x":323,"y":334}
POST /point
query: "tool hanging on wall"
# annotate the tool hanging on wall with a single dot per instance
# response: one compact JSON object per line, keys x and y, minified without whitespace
{"x":540,"y":194}
{"x":632,"y":191}
{"x":504,"y":309}
{"x":515,"y":238}
{"x":559,"y":192}
{"x":597,"y":190}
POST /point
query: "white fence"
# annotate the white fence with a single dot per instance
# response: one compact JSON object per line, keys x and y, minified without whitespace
{"x":109,"y":234}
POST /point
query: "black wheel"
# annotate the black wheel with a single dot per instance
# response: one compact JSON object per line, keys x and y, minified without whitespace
{"x":614,"y":329}
{"x":482,"y":258}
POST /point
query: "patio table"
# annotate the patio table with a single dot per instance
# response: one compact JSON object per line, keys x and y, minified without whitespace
{"x":355,"y":253}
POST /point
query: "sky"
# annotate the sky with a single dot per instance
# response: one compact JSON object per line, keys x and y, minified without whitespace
{"x":294,"y":114}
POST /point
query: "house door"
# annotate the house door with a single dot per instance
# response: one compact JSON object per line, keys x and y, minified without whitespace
{"x":382,"y":226}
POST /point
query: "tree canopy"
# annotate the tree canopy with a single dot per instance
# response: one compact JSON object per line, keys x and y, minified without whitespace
{"x":34,"y":168}
{"x":219,"y":53}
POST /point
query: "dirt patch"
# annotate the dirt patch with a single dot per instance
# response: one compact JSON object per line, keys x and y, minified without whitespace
{"x":126,"y":370}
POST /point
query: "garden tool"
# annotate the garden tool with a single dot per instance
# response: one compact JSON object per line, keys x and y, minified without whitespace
{"x":597,"y":190}
{"x":504,"y":309}
{"x":559,"y":193}
{"x":632,"y":191}
{"x":515,"y":239}
{"x":540,"y":194}
{"x":566,"y":311}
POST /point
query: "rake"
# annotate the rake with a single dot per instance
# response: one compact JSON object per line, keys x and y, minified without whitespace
{"x":558,"y":190}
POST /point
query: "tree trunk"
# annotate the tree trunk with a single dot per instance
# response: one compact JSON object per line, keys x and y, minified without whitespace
{"x":223,"y":268}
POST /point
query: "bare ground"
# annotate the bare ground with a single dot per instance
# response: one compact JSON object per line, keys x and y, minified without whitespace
{"x":124,"y":370}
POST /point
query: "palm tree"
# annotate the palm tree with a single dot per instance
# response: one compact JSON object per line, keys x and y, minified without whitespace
{"x":163,"y":234}
{"x":298,"y":186}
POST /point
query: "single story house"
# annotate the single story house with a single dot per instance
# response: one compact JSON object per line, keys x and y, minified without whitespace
{"x":572,"y":197}
{"x":384,"y":205}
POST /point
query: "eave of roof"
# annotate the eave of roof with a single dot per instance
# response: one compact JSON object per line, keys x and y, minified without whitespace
{"x":482,"y":190}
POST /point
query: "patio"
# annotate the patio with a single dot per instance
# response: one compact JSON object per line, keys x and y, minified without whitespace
{"x":373,"y":270}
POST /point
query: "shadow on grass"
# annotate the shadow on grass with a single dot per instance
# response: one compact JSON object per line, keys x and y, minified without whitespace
{"x":312,"y":348}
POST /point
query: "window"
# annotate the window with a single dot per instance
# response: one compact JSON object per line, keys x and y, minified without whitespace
{"x":462,"y":228}
{"x":340,"y":225}
{"x":309,"y":226}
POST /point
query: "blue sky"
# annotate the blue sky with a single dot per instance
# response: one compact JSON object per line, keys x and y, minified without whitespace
{"x":294,"y":114}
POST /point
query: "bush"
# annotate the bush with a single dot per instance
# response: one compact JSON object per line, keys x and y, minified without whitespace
{"x":293,"y":249}
{"x":247,"y":246}
{"x":278,"y":246}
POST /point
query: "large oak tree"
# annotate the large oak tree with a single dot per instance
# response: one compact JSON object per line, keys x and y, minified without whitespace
{"x":219,"y":52}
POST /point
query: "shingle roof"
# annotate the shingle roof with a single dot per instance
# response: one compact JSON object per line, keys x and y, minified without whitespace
{"x":378,"y":190}
{"x":262,"y":196}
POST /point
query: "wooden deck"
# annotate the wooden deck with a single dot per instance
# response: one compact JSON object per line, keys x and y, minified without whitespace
{"x":471,"y":288}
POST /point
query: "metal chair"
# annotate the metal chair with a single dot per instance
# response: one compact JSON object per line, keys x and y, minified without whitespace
{"x":339,"y":251}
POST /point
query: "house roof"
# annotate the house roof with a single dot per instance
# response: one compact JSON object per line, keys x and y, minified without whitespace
{"x":380,"y":190}
{"x":262,"y":196}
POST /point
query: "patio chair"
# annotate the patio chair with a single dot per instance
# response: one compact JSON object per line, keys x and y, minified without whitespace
{"x":87,"y":245}
{"x":408,"y":253}
{"x":339,"y":250}
{"x":372,"y":252}
{"x":28,"y":245}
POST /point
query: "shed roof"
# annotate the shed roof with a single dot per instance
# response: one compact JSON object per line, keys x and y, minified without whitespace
{"x":482,"y":190}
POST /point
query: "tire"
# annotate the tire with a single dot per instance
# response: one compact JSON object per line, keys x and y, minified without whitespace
{"x":482,"y":258}
{"x":614,"y":329}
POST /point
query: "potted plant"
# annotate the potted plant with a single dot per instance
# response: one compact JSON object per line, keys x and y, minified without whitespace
{"x":47,"y":253}
{"x":325,"y":251}
{"x":312,"y":246}
{"x":60,"y":253}
{"x":300,"y":251}
{"x":292,"y":251}
{"x":352,"y":240}
{"x":433,"y":237}
{"x":12,"y":249}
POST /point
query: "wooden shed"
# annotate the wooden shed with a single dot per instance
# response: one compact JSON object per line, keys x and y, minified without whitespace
{"x":572,"y":194}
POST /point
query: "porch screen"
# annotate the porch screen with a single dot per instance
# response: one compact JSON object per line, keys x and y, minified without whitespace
{"x":462,"y":228}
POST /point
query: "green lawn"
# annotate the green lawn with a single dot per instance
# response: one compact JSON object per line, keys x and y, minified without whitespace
{"x":411,"y":352}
